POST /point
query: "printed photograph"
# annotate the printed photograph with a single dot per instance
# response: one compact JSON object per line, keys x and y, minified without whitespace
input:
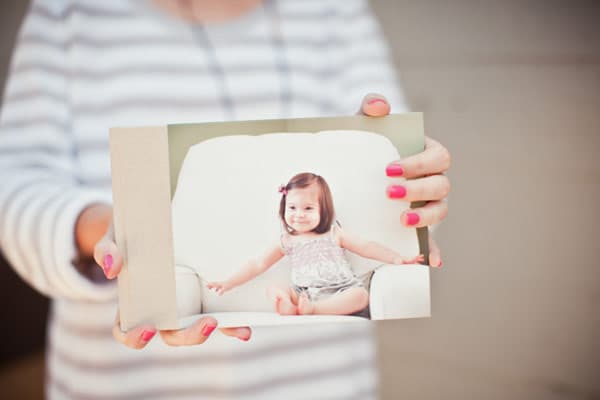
{"x":293,"y":227}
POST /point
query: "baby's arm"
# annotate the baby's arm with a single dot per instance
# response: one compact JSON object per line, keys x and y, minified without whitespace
{"x":250,"y":270}
{"x":374,"y":250}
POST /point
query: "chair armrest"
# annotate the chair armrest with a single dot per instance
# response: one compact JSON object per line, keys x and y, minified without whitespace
{"x":188,"y":288}
{"x":400,"y":291}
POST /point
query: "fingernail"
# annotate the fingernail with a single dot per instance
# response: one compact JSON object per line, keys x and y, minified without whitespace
{"x":412,"y":219}
{"x":441,"y":264}
{"x":394,"y":170}
{"x":373,"y":101}
{"x":147,"y":335}
{"x":396,"y":191}
{"x":245,"y":339}
{"x":108,"y":261}
{"x":208,"y":330}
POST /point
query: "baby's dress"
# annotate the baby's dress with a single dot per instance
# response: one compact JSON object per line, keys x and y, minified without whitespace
{"x":319,"y":266}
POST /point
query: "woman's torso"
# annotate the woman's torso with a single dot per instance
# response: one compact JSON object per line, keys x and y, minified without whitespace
{"x":124,"y":63}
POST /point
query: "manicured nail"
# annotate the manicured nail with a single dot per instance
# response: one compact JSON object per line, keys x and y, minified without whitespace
{"x":412,"y":219}
{"x":396,"y":191}
{"x":147,"y":335}
{"x":394,"y":170}
{"x":208,"y":329}
{"x":373,"y":101}
{"x":108,"y":262}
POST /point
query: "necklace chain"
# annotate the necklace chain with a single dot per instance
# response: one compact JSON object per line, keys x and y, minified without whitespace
{"x":281,"y":63}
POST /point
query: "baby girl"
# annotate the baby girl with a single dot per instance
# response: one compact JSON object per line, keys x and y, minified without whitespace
{"x":322,"y":280}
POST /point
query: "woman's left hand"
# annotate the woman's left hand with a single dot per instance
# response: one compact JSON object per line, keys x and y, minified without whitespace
{"x":425,"y":179}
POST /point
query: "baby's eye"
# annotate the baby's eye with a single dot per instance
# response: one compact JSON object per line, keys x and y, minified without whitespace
{"x":292,"y":207}
{"x":308,"y":208}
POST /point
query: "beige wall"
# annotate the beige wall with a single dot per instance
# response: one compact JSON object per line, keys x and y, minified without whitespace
{"x":513,"y":89}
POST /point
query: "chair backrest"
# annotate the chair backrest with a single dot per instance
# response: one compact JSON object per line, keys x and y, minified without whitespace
{"x":225,"y":208}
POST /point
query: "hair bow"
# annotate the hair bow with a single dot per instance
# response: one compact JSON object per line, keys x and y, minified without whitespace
{"x":282,"y":190}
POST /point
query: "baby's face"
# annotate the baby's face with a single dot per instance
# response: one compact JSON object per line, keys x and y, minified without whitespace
{"x":302,"y":211}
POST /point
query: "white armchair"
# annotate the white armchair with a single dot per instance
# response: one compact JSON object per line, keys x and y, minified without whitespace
{"x":225,"y":212}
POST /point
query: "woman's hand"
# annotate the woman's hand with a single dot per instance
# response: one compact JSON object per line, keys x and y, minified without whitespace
{"x":425,"y":179}
{"x":109,"y":258}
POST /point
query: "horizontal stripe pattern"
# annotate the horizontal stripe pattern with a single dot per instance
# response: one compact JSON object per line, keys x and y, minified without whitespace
{"x":81,"y":67}
{"x":291,"y":385}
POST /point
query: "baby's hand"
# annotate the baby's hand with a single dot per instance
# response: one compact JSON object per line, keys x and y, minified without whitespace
{"x":410,"y":260}
{"x":218,"y":287}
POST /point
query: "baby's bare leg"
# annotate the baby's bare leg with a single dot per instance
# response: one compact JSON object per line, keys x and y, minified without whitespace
{"x":284,"y":299}
{"x":344,"y":303}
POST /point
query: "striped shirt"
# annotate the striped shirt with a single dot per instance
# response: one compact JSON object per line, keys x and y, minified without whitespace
{"x":81,"y":67}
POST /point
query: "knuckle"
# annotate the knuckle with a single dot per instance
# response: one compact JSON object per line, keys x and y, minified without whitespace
{"x":419,"y":167}
{"x":443,"y":210}
{"x":444,"y":187}
{"x":445,"y":158}
{"x":415,"y":191}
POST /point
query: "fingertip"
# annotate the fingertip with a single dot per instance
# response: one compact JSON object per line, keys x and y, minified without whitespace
{"x":208,"y":329}
{"x":376,"y":108}
{"x":209,"y":324}
{"x":136,"y":338}
{"x":108,"y":257}
{"x":375,"y":105}
{"x":435,"y":261}
{"x":410,"y":219}
{"x":394,"y":170}
{"x":241,"y":333}
{"x":147,"y":335}
{"x":247,"y":334}
{"x":107,"y":264}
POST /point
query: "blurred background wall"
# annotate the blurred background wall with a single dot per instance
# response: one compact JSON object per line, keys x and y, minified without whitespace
{"x":513,"y":89}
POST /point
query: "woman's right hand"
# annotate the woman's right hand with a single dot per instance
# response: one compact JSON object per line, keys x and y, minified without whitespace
{"x":109,"y":258}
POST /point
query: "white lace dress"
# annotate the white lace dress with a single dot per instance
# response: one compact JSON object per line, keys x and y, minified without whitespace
{"x":319,"y":266}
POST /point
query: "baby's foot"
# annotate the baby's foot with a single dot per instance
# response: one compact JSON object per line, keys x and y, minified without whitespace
{"x":284,"y":306}
{"x":305,"y":306}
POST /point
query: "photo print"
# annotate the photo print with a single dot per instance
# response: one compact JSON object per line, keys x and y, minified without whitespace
{"x":273,"y":222}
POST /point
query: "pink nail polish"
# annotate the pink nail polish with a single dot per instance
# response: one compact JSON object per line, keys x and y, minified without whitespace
{"x":147,"y":335}
{"x":208,"y":330}
{"x":394,"y":170}
{"x":412,"y":219}
{"x":108,"y":262}
{"x":396,"y":191}
{"x":373,"y":101}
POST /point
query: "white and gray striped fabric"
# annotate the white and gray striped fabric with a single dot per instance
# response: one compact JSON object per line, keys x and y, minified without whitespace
{"x":81,"y":67}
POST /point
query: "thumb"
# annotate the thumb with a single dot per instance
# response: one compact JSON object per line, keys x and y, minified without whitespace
{"x":108,"y":256}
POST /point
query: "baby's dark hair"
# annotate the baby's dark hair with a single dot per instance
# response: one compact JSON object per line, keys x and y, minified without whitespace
{"x":326,"y":210}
